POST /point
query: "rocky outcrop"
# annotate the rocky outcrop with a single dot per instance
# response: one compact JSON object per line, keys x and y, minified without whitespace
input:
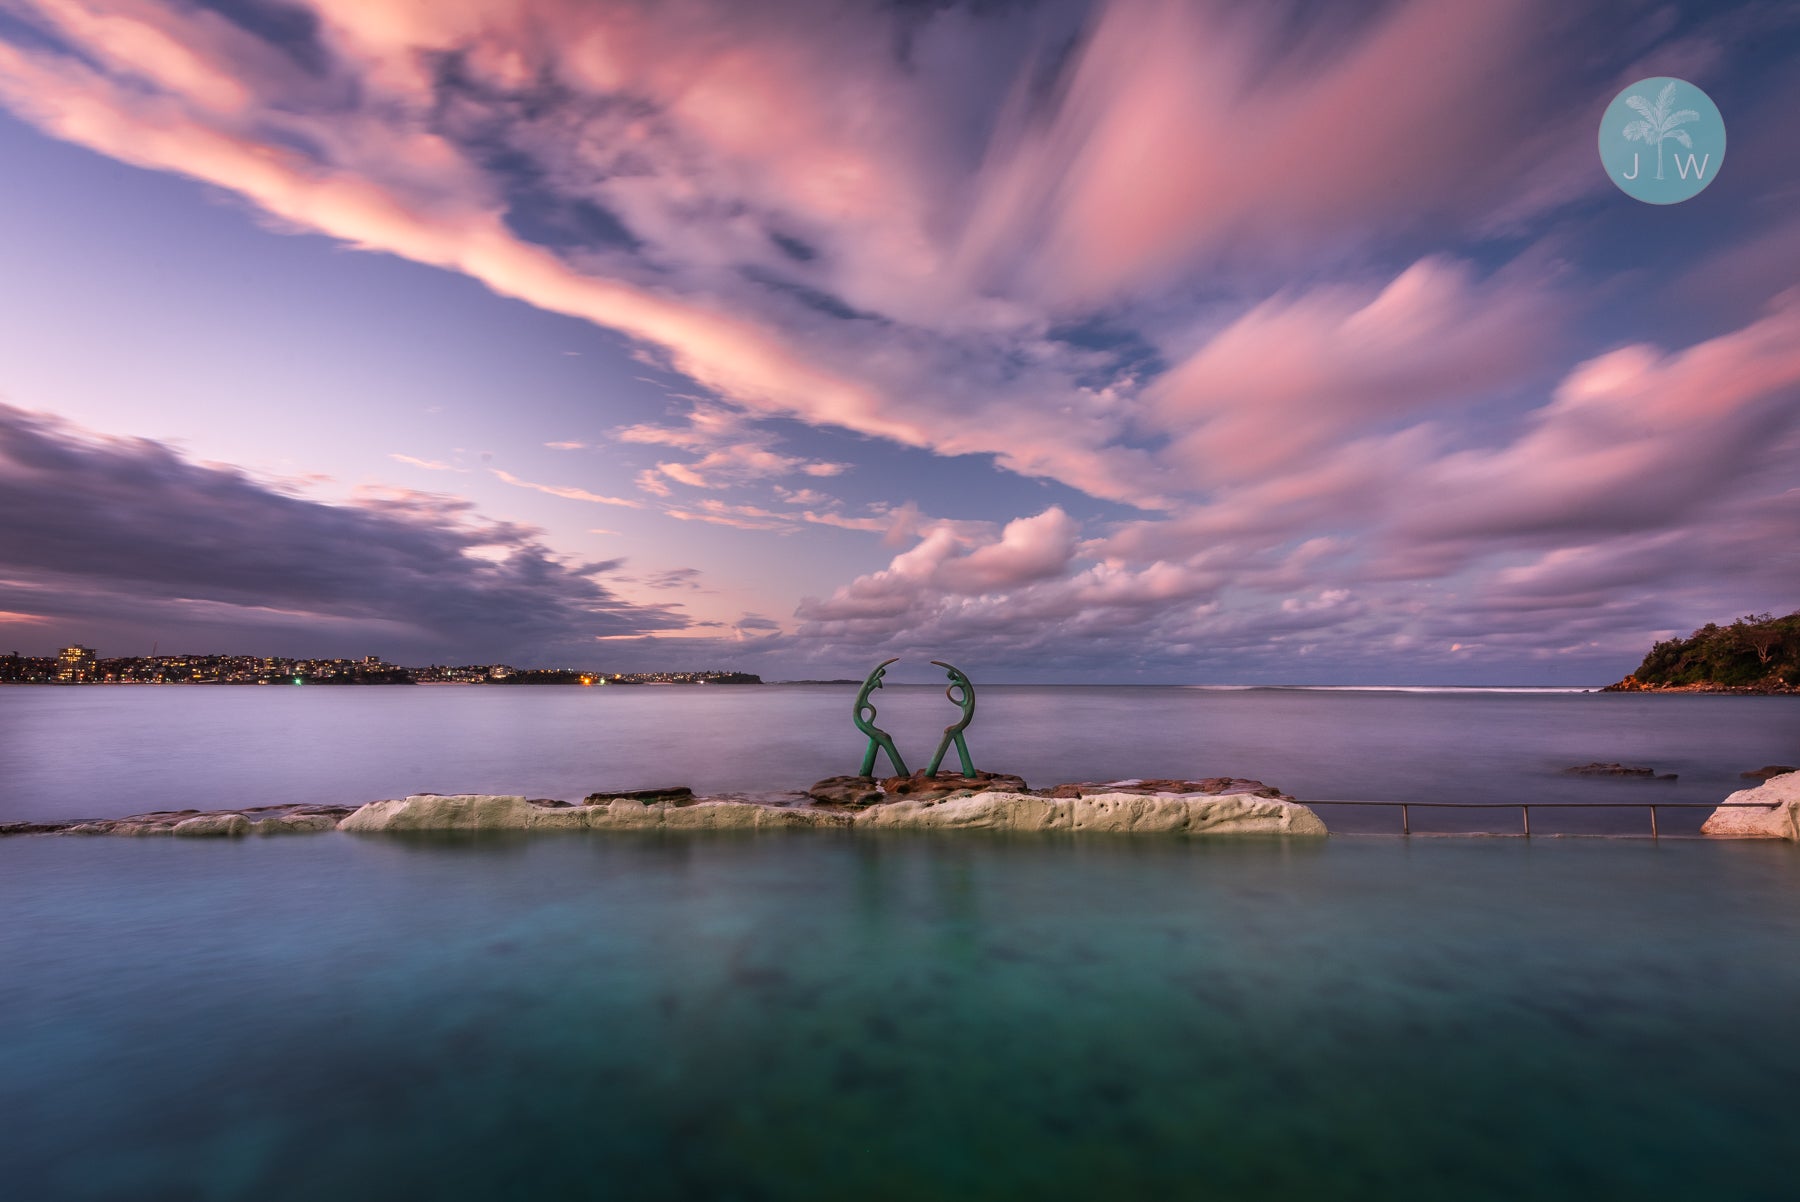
{"x":1212,"y":786}
{"x":1162,"y":813}
{"x":1768,"y":771}
{"x":465,"y":812}
{"x":1618,"y":770}
{"x":1240,"y":813}
{"x":679,"y":795}
{"x":858,"y":792}
{"x":213,"y":826}
{"x":1773,"y":814}
{"x":1238,"y":807}
{"x":297,"y":824}
{"x":257,"y":820}
{"x":920,"y":787}
{"x":853,"y":791}
{"x":478,"y":812}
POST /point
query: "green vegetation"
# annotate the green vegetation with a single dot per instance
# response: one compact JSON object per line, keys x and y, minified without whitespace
{"x":1757,"y":652}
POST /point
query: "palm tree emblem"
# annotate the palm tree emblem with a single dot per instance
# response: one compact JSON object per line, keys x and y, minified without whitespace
{"x":1658,"y":122}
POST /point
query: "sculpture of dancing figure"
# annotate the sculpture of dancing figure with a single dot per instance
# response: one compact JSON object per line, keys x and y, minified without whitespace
{"x":878,"y":737}
{"x":954,"y":732}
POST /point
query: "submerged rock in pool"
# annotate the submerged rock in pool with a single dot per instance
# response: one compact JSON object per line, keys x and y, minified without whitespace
{"x":1777,"y":818}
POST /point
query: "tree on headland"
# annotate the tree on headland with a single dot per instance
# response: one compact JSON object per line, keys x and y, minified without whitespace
{"x":1757,"y":652}
{"x":1659,"y":123}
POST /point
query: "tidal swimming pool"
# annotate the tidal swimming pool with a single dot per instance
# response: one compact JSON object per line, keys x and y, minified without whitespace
{"x":829,"y":1015}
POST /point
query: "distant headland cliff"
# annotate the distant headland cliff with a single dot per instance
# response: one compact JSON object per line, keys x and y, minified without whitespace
{"x":1758,"y":653}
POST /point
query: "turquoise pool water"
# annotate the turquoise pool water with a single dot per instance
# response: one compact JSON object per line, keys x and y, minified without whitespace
{"x":832,"y":1016}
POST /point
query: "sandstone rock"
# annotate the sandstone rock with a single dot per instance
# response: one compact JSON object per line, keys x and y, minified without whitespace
{"x":679,"y":795}
{"x":1768,"y":771}
{"x":295,"y":824}
{"x":625,"y":814}
{"x":1779,"y":819}
{"x":430,"y":812}
{"x":1236,"y":808}
{"x":1191,"y":813}
{"x":1214,"y":786}
{"x":1618,"y":770}
{"x":255,"y":820}
{"x":919,"y":787}
{"x":846,"y":791}
{"x":211,"y":825}
{"x":466,"y":812}
{"x":738,"y":815}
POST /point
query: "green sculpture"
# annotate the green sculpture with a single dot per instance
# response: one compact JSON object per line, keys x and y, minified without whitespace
{"x":865,"y":722}
{"x":954,"y":732}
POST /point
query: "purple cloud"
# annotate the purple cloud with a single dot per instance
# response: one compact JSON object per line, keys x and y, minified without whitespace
{"x":126,"y":531}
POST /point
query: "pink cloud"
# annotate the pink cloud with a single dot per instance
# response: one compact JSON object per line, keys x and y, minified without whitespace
{"x":430,"y":465}
{"x":569,"y":494}
{"x":1188,"y":131}
{"x":1631,"y":440}
{"x":1297,"y":373}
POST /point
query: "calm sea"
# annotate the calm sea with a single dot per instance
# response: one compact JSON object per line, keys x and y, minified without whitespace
{"x":829,"y":1015}
{"x":109,"y":751}
{"x":834,"y":1015}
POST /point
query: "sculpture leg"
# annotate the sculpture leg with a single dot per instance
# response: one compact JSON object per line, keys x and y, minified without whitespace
{"x":893,"y":754}
{"x":962,"y":751}
{"x":943,"y":746}
{"x":868,"y":764}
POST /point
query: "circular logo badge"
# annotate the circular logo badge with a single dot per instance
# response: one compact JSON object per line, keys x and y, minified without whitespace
{"x":1662,"y":140}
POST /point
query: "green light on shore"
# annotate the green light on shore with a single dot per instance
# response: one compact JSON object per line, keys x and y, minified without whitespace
{"x":296,"y":680}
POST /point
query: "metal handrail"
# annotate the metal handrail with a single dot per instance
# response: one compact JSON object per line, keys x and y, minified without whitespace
{"x":1525,"y":807}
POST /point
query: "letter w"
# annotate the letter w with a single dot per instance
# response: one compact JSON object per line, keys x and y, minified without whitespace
{"x":1684,"y":168}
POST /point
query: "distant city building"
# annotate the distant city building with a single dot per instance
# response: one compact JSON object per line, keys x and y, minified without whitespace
{"x":75,"y":665}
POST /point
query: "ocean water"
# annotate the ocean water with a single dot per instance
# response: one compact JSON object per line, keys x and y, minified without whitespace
{"x":832,"y":1015}
{"x":108,"y":751}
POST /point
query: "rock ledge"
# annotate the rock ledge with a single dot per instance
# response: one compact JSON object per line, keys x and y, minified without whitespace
{"x":1781,"y":820}
{"x":1194,"y":813}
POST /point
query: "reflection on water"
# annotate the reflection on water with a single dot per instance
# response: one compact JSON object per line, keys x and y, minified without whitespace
{"x":824,"y":1015}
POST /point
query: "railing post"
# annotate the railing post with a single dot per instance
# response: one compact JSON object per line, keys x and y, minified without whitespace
{"x":1526,"y":810}
{"x":1405,"y":820}
{"x":1653,"y":833}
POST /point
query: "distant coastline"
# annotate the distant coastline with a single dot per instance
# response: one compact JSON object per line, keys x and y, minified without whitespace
{"x":1759,"y":654}
{"x":79,"y":665}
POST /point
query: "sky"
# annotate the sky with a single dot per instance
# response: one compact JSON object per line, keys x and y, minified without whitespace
{"x":1134,"y":341}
